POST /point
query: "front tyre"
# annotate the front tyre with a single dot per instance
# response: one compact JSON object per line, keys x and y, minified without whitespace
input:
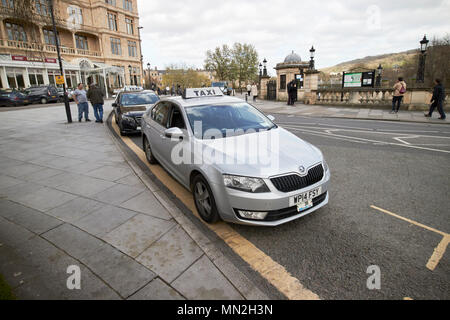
{"x":204,"y":200}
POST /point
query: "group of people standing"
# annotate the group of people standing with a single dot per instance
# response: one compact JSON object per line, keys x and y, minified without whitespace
{"x":252,"y":91}
{"x":292,"y":92}
{"x":437,"y":100}
{"x":95,"y":95}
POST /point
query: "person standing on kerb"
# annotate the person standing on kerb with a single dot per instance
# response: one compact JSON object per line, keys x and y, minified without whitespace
{"x":96,"y":96}
{"x":80,"y":98}
{"x":437,"y":100}
{"x":399,"y":92}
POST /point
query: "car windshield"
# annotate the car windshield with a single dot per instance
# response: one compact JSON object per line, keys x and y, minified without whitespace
{"x":134,"y":99}
{"x":226,"y":120}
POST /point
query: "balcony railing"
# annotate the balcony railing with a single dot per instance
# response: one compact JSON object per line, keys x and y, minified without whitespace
{"x":34,"y":46}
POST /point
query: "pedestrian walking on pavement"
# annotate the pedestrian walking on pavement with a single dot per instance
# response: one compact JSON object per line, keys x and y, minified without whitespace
{"x":254,"y":91}
{"x":80,"y":98}
{"x":399,"y":92}
{"x":249,"y":89}
{"x":437,"y":100}
{"x":96,"y":96}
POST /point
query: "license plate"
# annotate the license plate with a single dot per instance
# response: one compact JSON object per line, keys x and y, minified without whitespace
{"x":53,"y":96}
{"x":304,"y":200}
{"x":25,"y":101}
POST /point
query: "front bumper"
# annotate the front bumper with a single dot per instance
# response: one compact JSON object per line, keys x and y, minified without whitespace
{"x":131,"y":124}
{"x":274,"y":202}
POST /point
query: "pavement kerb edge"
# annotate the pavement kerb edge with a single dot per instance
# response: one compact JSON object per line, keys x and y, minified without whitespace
{"x":239,"y":280}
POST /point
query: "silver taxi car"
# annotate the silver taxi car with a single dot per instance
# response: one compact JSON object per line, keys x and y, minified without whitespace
{"x":240,"y":166}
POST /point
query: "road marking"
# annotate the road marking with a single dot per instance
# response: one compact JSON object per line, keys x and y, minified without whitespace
{"x":439,"y":251}
{"x":269,"y":269}
{"x":329,"y":134}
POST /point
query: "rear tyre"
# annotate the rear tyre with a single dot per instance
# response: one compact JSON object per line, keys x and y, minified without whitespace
{"x":44,"y":101}
{"x":148,"y":152}
{"x":204,"y":200}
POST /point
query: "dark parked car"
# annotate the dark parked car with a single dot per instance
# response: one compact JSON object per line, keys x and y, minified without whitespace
{"x":129,"y":108}
{"x":42,"y":94}
{"x":13,"y":98}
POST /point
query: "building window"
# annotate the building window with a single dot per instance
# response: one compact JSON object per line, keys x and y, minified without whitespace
{"x":128,"y":5}
{"x":75,"y":14}
{"x":116,"y":47}
{"x":42,"y":8}
{"x":81,"y":42}
{"x":130,"y":26}
{"x":111,"y":2}
{"x":112,"y":21}
{"x":8,"y":3}
{"x":283,"y":82}
{"x":132,"y":49}
{"x":71,"y":79}
{"x":36,"y":77}
{"x":15,"y":78}
{"x":49,"y":37}
{"x":16,"y":32}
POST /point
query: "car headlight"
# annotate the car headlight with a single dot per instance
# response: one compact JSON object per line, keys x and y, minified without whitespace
{"x":325,"y":166}
{"x":253,"y":185}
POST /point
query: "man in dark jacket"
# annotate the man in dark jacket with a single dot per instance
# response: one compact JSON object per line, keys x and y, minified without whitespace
{"x":95,"y":95}
{"x":437,"y":100}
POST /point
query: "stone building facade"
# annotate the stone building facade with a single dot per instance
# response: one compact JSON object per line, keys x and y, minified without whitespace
{"x":99,"y":40}
{"x":293,"y":68}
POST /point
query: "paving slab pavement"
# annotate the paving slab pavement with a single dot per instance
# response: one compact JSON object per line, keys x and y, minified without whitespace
{"x":68,"y":196}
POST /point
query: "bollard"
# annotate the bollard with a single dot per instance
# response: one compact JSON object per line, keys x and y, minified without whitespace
{"x":246,"y":97}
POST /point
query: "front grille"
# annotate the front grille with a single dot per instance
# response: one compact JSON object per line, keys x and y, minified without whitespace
{"x":295,"y":182}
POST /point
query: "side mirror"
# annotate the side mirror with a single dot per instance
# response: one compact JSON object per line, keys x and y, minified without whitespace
{"x":175,"y":133}
{"x":271,"y":117}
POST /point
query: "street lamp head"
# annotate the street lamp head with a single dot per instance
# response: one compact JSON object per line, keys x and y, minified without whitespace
{"x":148,"y":65}
{"x":313,"y":52}
{"x":424,"y":44}
{"x":380,"y":69}
{"x":265,"y":62}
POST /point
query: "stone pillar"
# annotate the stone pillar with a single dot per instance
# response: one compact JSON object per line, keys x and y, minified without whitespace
{"x":5,"y":82}
{"x":263,"y":87}
{"x":311,"y":85}
{"x":26,"y":78}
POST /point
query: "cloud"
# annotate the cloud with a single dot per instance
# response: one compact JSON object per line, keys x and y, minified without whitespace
{"x":179,"y":31}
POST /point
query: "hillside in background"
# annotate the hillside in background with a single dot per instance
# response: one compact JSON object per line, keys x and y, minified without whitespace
{"x":388,"y":61}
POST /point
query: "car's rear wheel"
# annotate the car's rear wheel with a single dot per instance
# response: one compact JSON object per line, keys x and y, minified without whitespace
{"x":43,"y":100}
{"x":148,"y":152}
{"x":204,"y":200}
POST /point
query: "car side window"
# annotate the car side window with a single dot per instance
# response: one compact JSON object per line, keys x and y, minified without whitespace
{"x":176,"y":119}
{"x":161,"y":113}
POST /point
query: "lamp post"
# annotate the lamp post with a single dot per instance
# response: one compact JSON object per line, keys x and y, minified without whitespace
{"x":140,"y":50}
{"x":265,"y":68}
{"x":55,"y":32}
{"x":150,"y":82}
{"x":260,"y":70}
{"x":131,"y":76}
{"x":311,"y":62}
{"x":422,"y":58}
{"x":379,"y":73}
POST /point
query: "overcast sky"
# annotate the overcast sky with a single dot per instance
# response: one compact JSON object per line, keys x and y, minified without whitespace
{"x":181,"y":31}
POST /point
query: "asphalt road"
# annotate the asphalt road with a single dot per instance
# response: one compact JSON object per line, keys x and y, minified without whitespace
{"x":401,"y":168}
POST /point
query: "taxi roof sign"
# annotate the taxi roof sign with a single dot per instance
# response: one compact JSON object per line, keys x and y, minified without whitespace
{"x":191,"y":93}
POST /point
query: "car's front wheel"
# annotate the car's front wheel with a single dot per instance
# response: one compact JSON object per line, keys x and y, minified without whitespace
{"x":148,"y":152}
{"x":43,"y":100}
{"x":204,"y":200}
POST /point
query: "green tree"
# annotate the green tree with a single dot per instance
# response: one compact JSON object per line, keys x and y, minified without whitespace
{"x":239,"y":63}
{"x":245,"y":63}
{"x":219,"y":61}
